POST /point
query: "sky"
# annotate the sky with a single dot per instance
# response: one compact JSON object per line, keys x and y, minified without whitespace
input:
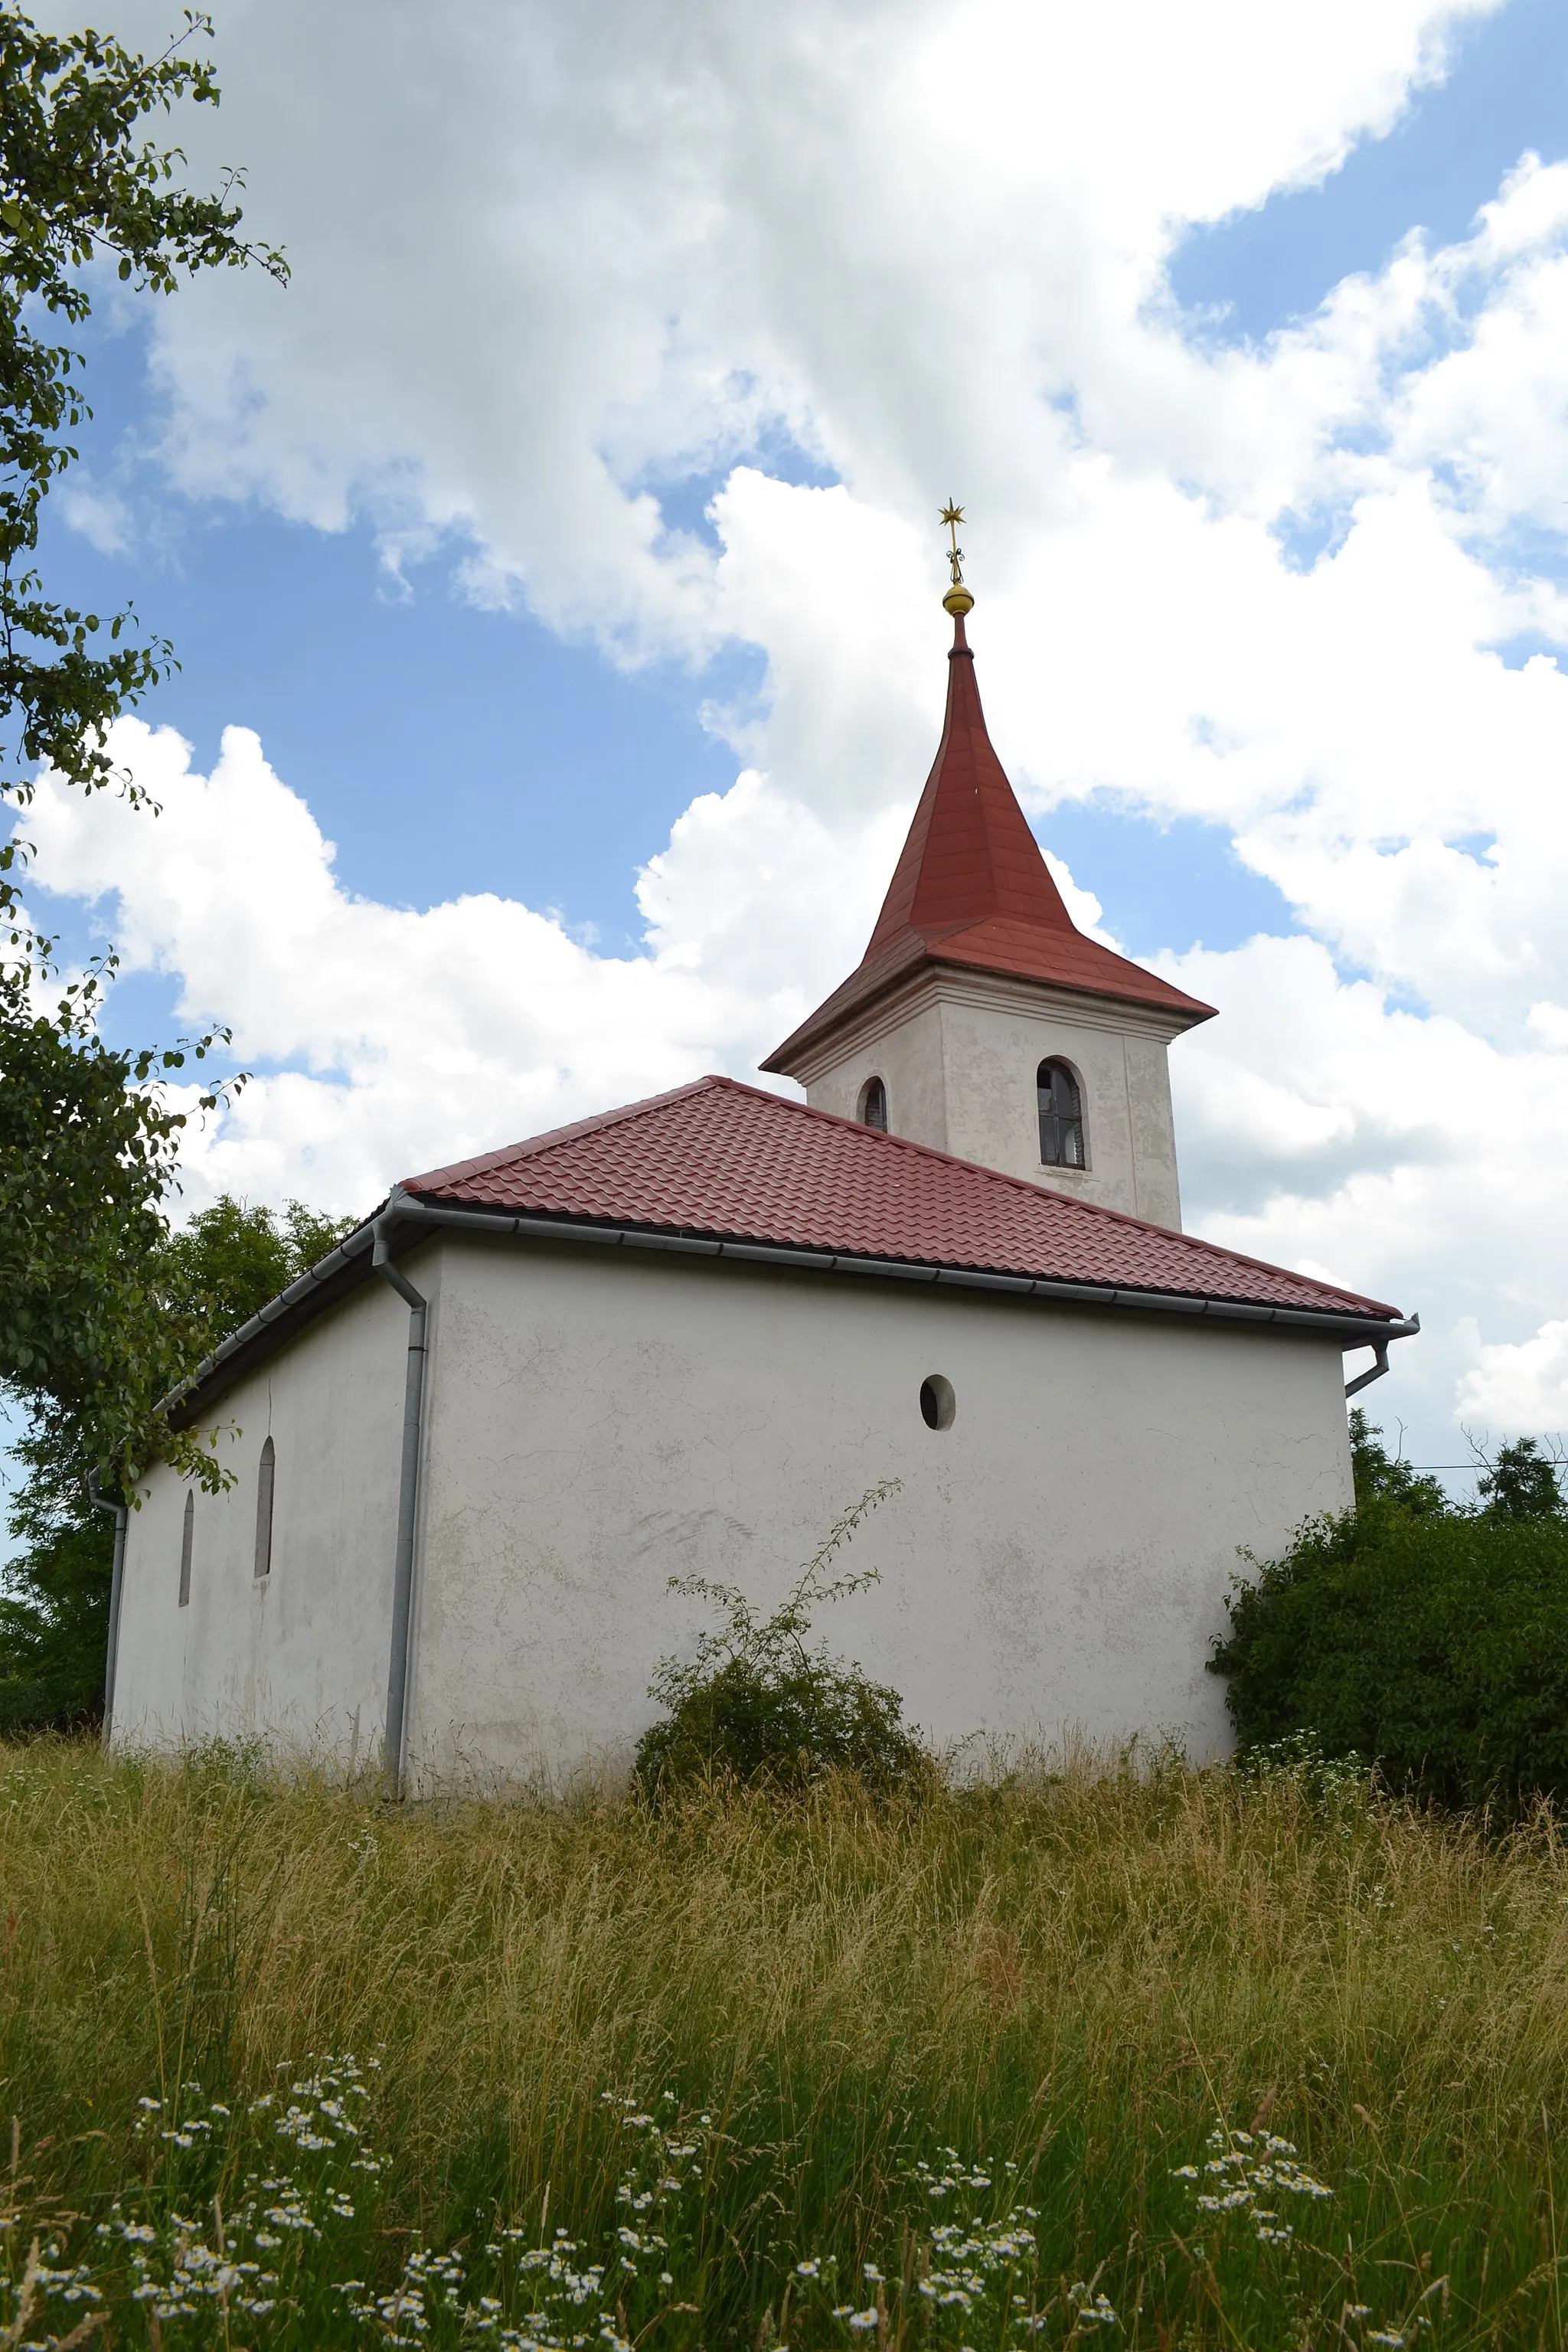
{"x":555,"y":571}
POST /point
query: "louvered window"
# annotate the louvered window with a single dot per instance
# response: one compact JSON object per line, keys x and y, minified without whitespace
{"x":874,"y":1105}
{"x":1061,"y":1117}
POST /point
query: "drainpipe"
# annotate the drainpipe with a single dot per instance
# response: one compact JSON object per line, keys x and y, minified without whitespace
{"x":1379,"y":1366}
{"x":121,"y":1515}
{"x":408,"y":1507}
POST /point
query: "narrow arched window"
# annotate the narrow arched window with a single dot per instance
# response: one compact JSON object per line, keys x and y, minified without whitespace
{"x":873,"y":1110}
{"x":264,"y":1510}
{"x":1061,"y":1117}
{"x":187,"y":1538}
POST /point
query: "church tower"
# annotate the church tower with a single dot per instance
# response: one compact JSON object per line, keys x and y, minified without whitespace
{"x":981,"y":1020}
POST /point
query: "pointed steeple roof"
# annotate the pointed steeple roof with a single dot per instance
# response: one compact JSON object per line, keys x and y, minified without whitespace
{"x":973,"y":889}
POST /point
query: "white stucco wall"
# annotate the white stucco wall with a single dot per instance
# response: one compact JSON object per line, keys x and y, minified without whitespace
{"x":300,"y":1656}
{"x":959,"y":1059}
{"x":1056,"y":1560}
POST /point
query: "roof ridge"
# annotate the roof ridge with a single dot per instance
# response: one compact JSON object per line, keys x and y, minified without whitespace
{"x":533,"y":1146}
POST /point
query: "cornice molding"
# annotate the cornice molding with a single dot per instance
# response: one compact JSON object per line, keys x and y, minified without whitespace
{"x":937,"y":984}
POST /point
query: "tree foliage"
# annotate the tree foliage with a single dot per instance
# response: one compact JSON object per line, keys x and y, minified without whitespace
{"x":1521,"y":1483}
{"x":1382,"y":1477}
{"x":87,"y":1134}
{"x":78,"y":185}
{"x":202,"y":1283}
{"x":1429,"y":1637}
{"x":87,"y":1145}
{"x":756,"y":1704}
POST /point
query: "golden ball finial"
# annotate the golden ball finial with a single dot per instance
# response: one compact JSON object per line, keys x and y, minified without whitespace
{"x":958,"y":600}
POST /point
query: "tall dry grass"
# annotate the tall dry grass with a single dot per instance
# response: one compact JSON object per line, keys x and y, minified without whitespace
{"x":1077,"y":1973}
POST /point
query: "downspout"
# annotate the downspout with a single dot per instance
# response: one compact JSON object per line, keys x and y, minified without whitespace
{"x":1380,"y":1348}
{"x":1374,"y":1372}
{"x":407,"y":1512}
{"x":121,"y":1515}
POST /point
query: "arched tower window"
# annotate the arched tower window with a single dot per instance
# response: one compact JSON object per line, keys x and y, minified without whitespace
{"x":187,"y":1538}
{"x":264,"y":1510}
{"x":873,"y":1110}
{"x":1061,"y":1117}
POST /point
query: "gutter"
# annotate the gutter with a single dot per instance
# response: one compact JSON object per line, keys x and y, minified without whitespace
{"x":289,"y":1305}
{"x":401,"y":1209}
{"x":121,"y":1515}
{"x":1357,"y":1330}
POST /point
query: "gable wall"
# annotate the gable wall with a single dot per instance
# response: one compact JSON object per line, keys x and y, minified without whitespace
{"x":1058,"y":1559}
{"x":301,"y":1655}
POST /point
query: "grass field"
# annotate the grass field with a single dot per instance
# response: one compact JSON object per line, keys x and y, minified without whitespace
{"x":740,"y":2050}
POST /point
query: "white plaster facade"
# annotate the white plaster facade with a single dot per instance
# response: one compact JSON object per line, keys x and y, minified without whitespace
{"x":598,"y":1421}
{"x":301,"y":1656}
{"x":958,"y":1054}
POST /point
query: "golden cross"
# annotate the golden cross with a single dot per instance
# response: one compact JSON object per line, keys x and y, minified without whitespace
{"x":953,"y":516}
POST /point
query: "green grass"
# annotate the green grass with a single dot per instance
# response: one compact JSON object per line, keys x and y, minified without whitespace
{"x":1079,"y":1975}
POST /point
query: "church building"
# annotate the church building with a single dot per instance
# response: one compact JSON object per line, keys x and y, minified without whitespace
{"x":473,"y":1446}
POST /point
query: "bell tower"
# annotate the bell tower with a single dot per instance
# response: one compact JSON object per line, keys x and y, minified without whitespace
{"x":980,"y":1019}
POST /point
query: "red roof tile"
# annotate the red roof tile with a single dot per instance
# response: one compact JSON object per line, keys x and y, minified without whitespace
{"x":732,"y":1162}
{"x":971,"y":888}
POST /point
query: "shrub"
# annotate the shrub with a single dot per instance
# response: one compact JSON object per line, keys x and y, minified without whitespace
{"x":756,"y":1705}
{"x":1437,"y":1643}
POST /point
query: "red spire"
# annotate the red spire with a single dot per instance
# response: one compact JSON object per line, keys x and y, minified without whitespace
{"x":971,"y":888}
{"x":969,"y":854}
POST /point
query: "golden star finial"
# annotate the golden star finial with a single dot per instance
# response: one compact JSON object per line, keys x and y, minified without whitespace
{"x":958,"y":600}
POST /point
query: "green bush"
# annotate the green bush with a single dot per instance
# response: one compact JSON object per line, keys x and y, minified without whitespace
{"x":756,"y":1705}
{"x":1434,"y":1641}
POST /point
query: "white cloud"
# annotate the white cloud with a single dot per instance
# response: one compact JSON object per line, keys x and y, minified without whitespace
{"x":553,"y":261}
{"x":101,"y":516}
{"x":417,"y":1035}
{"x":1519,"y":1388}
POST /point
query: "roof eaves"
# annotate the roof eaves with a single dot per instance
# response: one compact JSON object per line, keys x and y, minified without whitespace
{"x":321,"y":1287}
{"x":1364,"y":1315}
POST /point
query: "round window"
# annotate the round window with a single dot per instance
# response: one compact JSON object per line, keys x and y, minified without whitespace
{"x":938,"y":1403}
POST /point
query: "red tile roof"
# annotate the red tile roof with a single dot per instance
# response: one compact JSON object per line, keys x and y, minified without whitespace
{"x":730,"y":1162}
{"x":971,"y":888}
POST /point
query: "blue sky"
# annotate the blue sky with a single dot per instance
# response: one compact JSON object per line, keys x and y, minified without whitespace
{"x":1247,"y":542}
